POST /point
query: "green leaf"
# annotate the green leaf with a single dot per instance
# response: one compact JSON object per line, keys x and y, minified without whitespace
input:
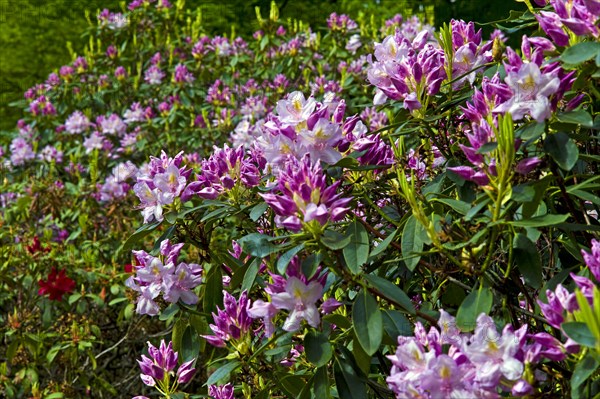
{"x":578,"y":117}
{"x":222,"y":372}
{"x":487,"y":147}
{"x":334,"y":240}
{"x":562,"y":149}
{"x":317,"y":347}
{"x":475,"y":303}
{"x":583,"y":370}
{"x":140,"y":233}
{"x":391,"y":291}
{"x":251,"y":274}
{"x":530,"y":131}
{"x":383,"y":244}
{"x":349,"y":385}
{"x":356,"y":253}
{"x":190,"y":344}
{"x":461,"y":207}
{"x":213,"y":291}
{"x":367,"y":321}
{"x":177,"y":334}
{"x":51,"y":353}
{"x":411,"y":243}
{"x":286,"y":258}
{"x":395,"y":324}
{"x":580,"y":333}
{"x":290,"y":383}
{"x":338,"y":319}
{"x":541,"y":221}
{"x":321,"y":384}
{"x":580,"y":53}
{"x":528,"y":260}
{"x":169,"y":312}
{"x":258,"y":210}
{"x":258,"y":245}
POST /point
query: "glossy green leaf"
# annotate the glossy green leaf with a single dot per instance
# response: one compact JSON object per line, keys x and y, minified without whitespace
{"x":317,"y":347}
{"x":251,"y":274}
{"x":258,"y":245}
{"x":348,"y":384}
{"x":528,"y":260}
{"x":356,"y":253}
{"x":169,"y":312}
{"x":580,"y":52}
{"x":190,"y":344}
{"x":562,"y":149}
{"x":334,"y":240}
{"x":258,"y":210}
{"x":477,"y":302}
{"x":411,"y":243}
{"x":367,"y":322}
{"x":382,"y":246}
{"x":580,"y":333}
{"x":583,"y":370}
{"x":391,"y":291}
{"x":579,"y":117}
{"x":541,"y":221}
{"x":222,"y":372}
{"x":396,"y":324}
{"x":213,"y":289}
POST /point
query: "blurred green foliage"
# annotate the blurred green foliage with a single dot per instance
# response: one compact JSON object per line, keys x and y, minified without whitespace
{"x":34,"y":33}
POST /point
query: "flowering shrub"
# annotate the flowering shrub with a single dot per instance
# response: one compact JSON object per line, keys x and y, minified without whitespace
{"x":316,"y":202}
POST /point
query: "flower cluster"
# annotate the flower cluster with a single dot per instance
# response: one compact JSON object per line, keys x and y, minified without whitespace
{"x":153,"y":275}
{"x":562,"y":303}
{"x":304,"y":198}
{"x":407,"y":70}
{"x":225,"y":168}
{"x":56,"y":285}
{"x":232,"y":322}
{"x":159,"y":184}
{"x":579,"y":16}
{"x":445,"y":363}
{"x":297,"y":294}
{"x":158,"y":370}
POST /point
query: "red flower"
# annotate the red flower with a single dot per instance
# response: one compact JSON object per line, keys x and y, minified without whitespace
{"x":37,"y":247}
{"x":57,"y":285}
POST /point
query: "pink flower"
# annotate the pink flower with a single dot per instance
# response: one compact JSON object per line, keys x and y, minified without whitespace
{"x":300,"y":300}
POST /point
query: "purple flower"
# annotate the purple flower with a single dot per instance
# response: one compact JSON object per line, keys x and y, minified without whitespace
{"x":154,"y":75}
{"x":300,"y":300}
{"x":530,"y":88}
{"x":112,"y":124}
{"x":330,"y":305}
{"x":159,"y":369}
{"x":265,"y":311}
{"x":551,"y":24}
{"x":527,"y":165}
{"x":51,"y":154}
{"x":164,"y":181}
{"x":305,"y":197}
{"x":154,"y":275}
{"x":224,"y":169}
{"x":232,"y":322}
{"x":592,"y":259}
{"x":182,"y":74}
{"x":20,"y":151}
{"x":221,"y":391}
{"x":77,"y":123}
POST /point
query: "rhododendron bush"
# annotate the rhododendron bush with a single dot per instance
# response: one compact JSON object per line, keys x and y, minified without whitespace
{"x":375,"y":209}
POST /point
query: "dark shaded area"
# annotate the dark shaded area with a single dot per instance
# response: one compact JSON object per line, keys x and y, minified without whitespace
{"x":34,"y":33}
